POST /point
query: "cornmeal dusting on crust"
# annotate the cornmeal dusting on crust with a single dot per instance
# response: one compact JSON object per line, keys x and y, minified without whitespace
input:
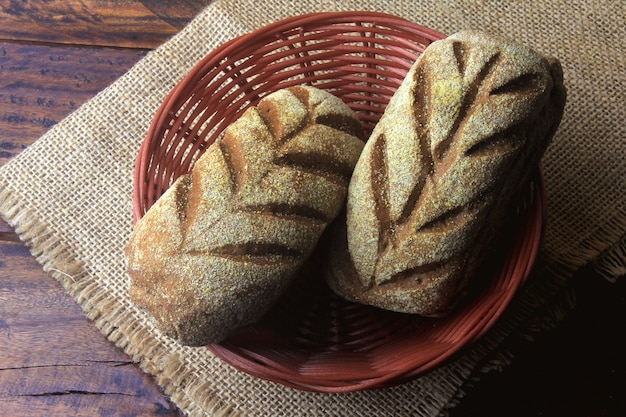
{"x":221,"y":245}
{"x":457,"y":143}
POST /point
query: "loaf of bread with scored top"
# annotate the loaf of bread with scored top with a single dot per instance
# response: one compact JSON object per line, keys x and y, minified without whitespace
{"x":222,"y":243}
{"x":457,"y":143}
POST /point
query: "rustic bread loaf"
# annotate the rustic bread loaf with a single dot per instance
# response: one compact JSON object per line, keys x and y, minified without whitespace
{"x":458,"y":140}
{"x":221,"y":244}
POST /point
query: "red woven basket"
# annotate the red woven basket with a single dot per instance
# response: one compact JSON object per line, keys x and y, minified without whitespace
{"x":312,"y":339}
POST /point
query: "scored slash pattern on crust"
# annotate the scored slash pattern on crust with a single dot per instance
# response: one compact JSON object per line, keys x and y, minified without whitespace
{"x":312,"y":166}
{"x":437,"y":159}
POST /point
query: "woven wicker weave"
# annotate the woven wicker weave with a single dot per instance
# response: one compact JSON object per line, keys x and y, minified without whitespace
{"x":312,"y":339}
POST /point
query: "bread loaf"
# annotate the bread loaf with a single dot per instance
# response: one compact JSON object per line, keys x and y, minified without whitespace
{"x":456,"y":144}
{"x":222,"y":243}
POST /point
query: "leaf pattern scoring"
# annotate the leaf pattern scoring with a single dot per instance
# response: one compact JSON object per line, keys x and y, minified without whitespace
{"x":432,"y":178}
{"x":218,"y":248}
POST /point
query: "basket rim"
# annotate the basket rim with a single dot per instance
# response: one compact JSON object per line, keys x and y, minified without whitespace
{"x":276,"y":374}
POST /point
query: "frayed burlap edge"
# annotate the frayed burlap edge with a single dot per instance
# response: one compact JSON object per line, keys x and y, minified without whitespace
{"x":604,"y":250}
{"x":611,"y":264}
{"x":541,"y":315}
{"x":114,"y":320}
{"x":543,"y":303}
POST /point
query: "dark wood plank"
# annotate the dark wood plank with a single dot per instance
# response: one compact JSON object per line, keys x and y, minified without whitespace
{"x":41,"y":84}
{"x":54,"y":56}
{"x":7,"y":234}
{"x":53,"y":361}
{"x":129,"y":24}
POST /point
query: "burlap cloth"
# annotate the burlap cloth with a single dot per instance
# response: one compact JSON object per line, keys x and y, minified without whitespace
{"x":69,"y":195}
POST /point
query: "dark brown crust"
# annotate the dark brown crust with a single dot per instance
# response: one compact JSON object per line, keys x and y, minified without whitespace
{"x":218,"y":248}
{"x":456,"y":144}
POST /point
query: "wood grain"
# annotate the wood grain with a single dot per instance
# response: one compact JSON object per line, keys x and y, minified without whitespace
{"x":41,"y":84}
{"x":53,"y":361}
{"x":127,"y":24}
{"x":54,"y":56}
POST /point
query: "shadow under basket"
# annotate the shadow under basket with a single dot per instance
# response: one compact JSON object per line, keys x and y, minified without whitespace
{"x":312,"y":339}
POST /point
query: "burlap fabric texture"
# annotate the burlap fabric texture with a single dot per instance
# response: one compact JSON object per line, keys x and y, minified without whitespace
{"x":78,"y":220}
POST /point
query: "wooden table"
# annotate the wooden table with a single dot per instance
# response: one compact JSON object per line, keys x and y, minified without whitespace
{"x":54,"y":56}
